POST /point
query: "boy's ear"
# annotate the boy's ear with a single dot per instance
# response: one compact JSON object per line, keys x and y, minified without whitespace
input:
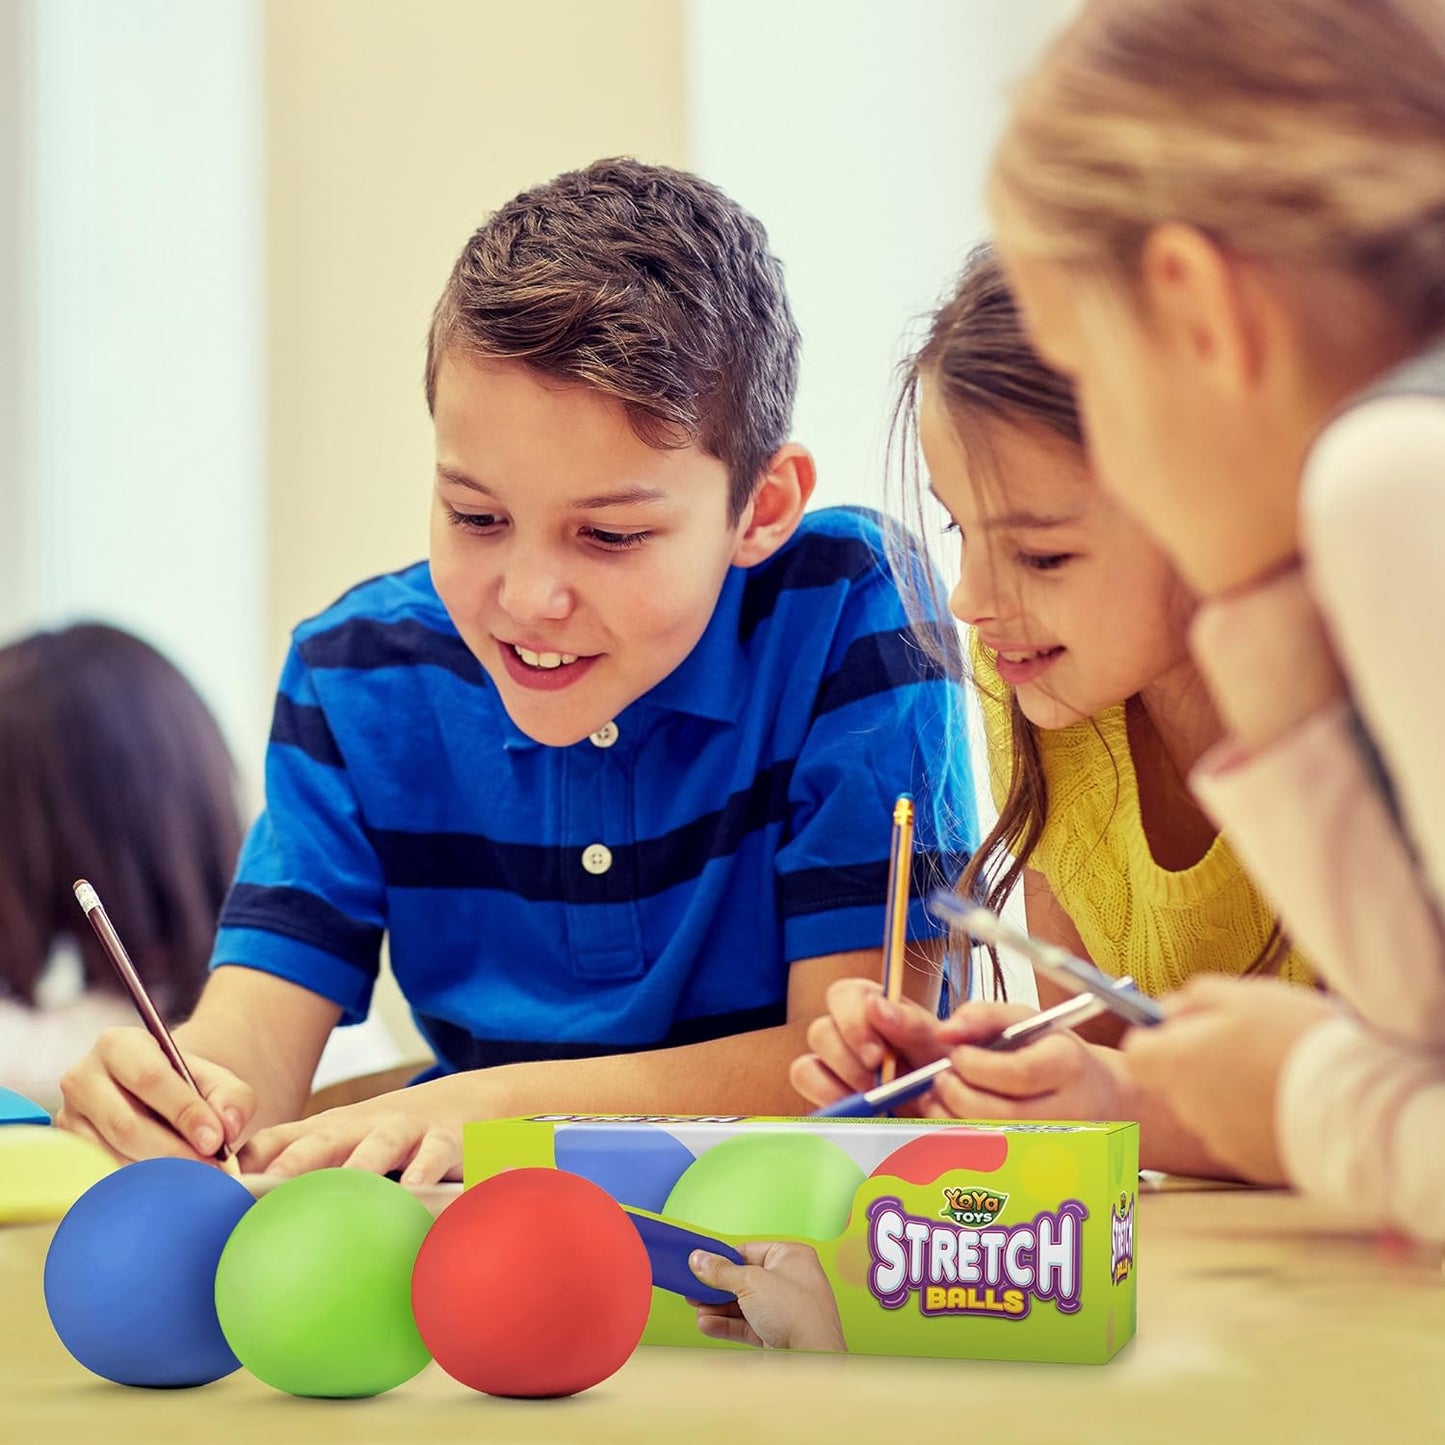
{"x":773,"y":514}
{"x":1200,"y":308}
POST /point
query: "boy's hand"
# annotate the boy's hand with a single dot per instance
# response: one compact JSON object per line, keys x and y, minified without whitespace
{"x":1218,"y":1060}
{"x":784,"y":1300}
{"x":125,"y":1095}
{"x":849,"y":1040}
{"x":381,"y":1135}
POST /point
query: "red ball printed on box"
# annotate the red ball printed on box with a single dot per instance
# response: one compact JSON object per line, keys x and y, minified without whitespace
{"x":532,"y":1283}
{"x":931,"y":1156}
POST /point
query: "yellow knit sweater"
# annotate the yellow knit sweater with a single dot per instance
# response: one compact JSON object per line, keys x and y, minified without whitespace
{"x":1158,"y":926}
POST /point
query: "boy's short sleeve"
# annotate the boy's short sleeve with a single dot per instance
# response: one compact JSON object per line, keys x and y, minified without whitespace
{"x":308,"y":903}
{"x":889,"y":718}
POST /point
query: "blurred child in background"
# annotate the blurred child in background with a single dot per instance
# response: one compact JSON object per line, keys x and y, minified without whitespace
{"x":111,"y":768}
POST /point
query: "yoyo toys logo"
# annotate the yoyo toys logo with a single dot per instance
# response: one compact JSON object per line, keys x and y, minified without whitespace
{"x":974,"y":1207}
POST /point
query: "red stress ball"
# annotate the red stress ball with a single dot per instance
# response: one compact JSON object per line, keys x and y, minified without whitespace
{"x":533,"y":1282}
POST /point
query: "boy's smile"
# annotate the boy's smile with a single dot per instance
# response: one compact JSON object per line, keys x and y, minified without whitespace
{"x":579,"y":564}
{"x":544,"y":670}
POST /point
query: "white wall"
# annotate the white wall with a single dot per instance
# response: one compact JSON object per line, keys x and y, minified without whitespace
{"x":860,"y":132}
{"x":141,"y":484}
{"x":16,"y":584}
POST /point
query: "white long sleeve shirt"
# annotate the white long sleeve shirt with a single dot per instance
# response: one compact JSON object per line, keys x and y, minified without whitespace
{"x":1342,"y":820}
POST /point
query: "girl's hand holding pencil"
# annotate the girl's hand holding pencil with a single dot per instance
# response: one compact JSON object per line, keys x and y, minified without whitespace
{"x":1003,"y":1061}
{"x":1057,"y":1077}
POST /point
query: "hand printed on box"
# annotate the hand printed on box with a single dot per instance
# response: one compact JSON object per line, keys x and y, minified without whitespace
{"x":784,"y":1299}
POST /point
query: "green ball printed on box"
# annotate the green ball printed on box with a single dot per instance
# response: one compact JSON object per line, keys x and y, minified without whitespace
{"x":988,"y":1240}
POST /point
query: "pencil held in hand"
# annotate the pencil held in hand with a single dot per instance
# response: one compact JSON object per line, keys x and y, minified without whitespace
{"x":89,"y":900}
{"x":895,"y":917}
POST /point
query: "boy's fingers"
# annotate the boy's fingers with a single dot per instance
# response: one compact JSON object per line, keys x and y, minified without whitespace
{"x":321,"y":1150}
{"x":388,"y":1144}
{"x":126,"y":1091}
{"x":126,"y":1129}
{"x":437,"y":1155}
{"x":232,"y":1098}
{"x":132,"y":1062}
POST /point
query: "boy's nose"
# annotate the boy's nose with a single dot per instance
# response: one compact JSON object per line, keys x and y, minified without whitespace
{"x":531,"y":591}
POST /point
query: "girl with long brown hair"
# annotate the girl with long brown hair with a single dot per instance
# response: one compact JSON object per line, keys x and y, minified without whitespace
{"x":1094,"y":713}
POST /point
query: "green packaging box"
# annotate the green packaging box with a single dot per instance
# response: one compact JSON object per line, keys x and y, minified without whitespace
{"x":966,"y":1240}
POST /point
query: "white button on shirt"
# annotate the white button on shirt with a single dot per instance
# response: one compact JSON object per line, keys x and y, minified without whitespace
{"x":597,"y":858}
{"x":605,"y":736}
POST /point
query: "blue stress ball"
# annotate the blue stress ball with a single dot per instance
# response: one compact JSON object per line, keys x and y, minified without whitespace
{"x":314,"y":1287}
{"x":637,"y":1164}
{"x":130,"y":1279}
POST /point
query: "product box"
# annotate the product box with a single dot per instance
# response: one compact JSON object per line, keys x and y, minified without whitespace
{"x":990,"y":1241}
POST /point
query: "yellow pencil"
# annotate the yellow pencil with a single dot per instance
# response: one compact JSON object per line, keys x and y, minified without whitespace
{"x":895,"y":916}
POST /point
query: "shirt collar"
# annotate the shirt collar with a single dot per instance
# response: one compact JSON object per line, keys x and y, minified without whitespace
{"x":709,"y":681}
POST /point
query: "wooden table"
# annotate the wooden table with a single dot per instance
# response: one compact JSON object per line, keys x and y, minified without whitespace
{"x":1259,"y":1319}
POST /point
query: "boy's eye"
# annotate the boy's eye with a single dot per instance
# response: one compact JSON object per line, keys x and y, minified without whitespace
{"x":1045,"y":561}
{"x":615,"y":541}
{"x":473,"y":521}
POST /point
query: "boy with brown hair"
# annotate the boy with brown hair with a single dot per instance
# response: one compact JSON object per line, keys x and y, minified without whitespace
{"x":613,"y":773}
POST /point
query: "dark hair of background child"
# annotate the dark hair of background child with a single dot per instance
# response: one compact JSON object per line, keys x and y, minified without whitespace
{"x":111,"y":768}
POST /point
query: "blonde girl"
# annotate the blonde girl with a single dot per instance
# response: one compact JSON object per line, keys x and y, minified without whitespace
{"x":1225,"y":222}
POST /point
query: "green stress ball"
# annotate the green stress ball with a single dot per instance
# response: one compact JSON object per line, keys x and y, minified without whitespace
{"x":313,"y":1290}
{"x":771,"y":1183}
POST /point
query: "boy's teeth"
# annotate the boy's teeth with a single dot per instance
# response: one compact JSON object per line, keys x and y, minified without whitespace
{"x":544,"y":659}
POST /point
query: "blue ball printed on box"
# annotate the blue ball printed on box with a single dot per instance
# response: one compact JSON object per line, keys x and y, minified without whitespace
{"x":637,"y":1164}
{"x":943,"y":1238}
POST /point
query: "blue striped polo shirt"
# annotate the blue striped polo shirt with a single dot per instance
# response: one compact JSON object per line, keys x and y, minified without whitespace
{"x":646,"y":887}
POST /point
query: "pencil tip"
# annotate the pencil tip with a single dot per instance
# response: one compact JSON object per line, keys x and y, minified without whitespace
{"x":85,"y":895}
